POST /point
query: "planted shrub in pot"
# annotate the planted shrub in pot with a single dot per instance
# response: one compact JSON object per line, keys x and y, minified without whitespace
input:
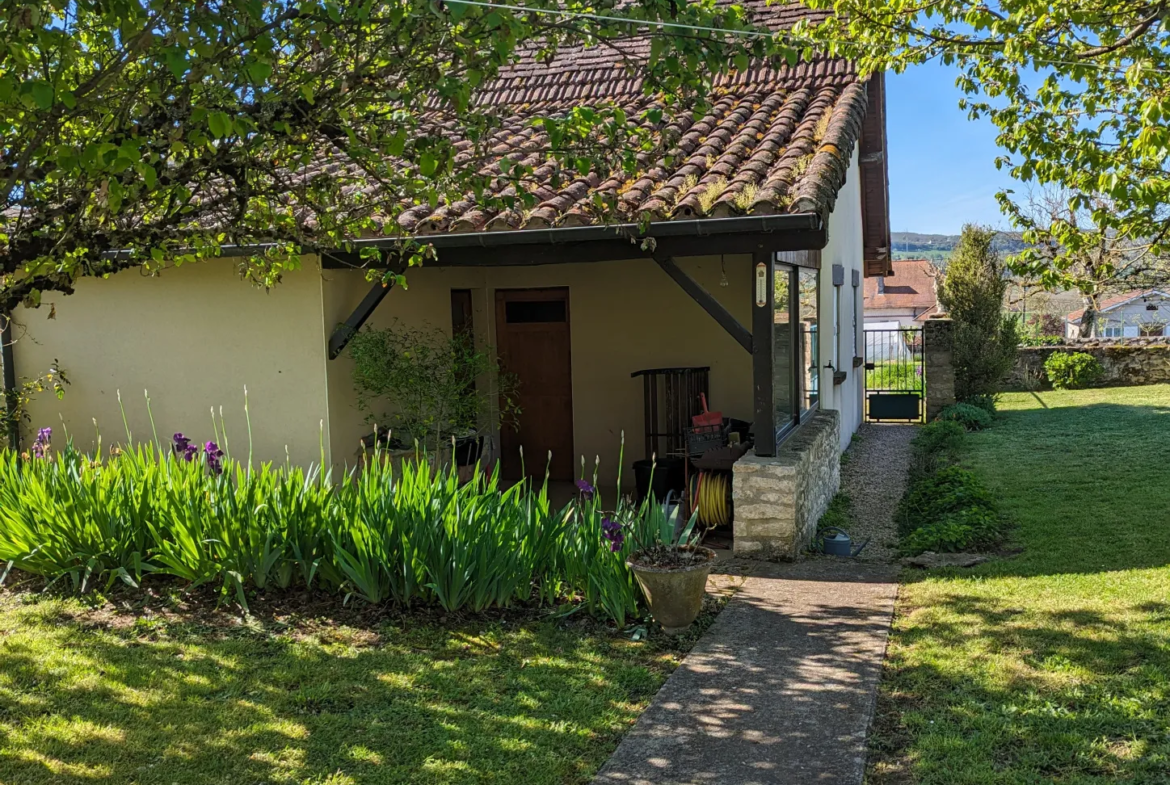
{"x":432,"y":388}
{"x":672,"y":573}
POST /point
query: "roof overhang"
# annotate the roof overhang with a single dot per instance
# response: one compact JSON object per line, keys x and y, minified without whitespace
{"x":611,"y":242}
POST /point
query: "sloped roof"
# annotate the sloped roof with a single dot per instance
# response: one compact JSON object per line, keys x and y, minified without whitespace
{"x":911,"y":286}
{"x":776,"y":139}
{"x":1117,"y":301}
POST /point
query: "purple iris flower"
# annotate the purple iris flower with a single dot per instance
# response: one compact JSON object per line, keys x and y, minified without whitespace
{"x":612,"y":531}
{"x":214,"y":456}
{"x":585,"y":489}
{"x":183,"y":448}
{"x":40,"y":447}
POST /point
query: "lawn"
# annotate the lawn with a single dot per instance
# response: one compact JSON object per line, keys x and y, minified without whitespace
{"x":1051,"y":665}
{"x":108,"y":692}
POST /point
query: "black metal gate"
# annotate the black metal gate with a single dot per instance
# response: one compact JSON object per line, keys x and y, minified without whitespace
{"x":895,"y":376}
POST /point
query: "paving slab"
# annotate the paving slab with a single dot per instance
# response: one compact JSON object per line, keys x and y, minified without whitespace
{"x":781,"y":689}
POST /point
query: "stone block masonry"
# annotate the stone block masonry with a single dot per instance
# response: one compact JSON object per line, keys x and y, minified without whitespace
{"x":779,"y":500}
{"x":938,"y":359}
{"x":1128,"y":361}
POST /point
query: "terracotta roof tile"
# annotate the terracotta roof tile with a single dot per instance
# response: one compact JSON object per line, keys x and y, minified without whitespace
{"x":775,"y":139}
{"x":911,"y":286}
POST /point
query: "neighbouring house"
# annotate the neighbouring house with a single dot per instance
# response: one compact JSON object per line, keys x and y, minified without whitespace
{"x":906,"y":298}
{"x":766,"y":214}
{"x":1131,"y":315}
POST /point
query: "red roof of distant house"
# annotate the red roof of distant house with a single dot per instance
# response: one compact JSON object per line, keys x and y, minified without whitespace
{"x":911,"y":286}
{"x":1110,"y":303}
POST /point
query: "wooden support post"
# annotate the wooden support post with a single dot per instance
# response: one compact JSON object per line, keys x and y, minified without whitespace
{"x":763,"y":338}
{"x":346,"y":330}
{"x":707,"y":301}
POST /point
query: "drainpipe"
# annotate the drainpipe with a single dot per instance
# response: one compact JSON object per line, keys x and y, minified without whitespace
{"x":9,"y":365}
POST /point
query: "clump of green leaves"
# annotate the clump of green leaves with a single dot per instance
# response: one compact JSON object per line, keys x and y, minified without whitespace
{"x":936,"y":446}
{"x":1072,"y":370}
{"x":972,"y":291}
{"x":972,"y":418}
{"x":431,"y":385}
{"x":946,"y":508}
{"x":949,"y":511}
{"x":388,"y":533}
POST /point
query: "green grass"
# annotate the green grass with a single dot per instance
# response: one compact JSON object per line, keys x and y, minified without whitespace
{"x":94,"y":694}
{"x":1052,"y":665}
{"x":895,"y":375}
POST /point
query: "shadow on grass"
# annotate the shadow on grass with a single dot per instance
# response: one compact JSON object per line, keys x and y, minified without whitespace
{"x":187,"y":703}
{"x":981,"y":693}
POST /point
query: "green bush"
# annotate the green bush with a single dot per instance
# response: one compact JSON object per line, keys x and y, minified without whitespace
{"x":1041,"y":340}
{"x":408,"y":535}
{"x":947,"y":491}
{"x":971,"y":417}
{"x":1072,"y":370}
{"x":948,"y":511}
{"x":935,"y":447}
{"x":970,"y":527}
{"x":988,"y":403}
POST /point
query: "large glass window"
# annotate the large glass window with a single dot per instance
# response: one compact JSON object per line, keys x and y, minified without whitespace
{"x":783,"y":389}
{"x":795,"y":354}
{"x":810,"y":358}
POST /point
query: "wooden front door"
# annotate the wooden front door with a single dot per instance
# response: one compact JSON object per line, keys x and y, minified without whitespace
{"x":532,"y":337}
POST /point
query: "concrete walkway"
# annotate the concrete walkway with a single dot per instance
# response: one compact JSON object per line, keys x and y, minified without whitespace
{"x":780,"y":690}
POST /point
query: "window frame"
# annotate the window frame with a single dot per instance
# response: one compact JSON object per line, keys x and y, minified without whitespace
{"x":787,"y":420}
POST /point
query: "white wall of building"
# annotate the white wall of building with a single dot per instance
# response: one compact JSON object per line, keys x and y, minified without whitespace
{"x":841,"y":307}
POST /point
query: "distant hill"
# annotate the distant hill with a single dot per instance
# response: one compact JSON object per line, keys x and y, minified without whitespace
{"x":938,"y":247}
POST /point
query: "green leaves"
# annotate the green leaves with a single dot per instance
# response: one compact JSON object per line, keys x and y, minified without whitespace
{"x":1077,"y":89}
{"x":219,"y":124}
{"x":298,"y":125}
{"x":398,"y":531}
{"x":42,"y":93}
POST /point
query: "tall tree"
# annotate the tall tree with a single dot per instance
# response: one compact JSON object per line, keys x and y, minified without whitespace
{"x":1109,"y":264}
{"x":972,"y":293}
{"x":1079,"y":90}
{"x":151,"y":132}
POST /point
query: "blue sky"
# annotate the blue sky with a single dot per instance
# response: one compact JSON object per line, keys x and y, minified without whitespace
{"x":942,"y":165}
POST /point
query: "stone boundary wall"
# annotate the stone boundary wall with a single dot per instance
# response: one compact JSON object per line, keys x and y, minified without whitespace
{"x":1126,"y":362}
{"x":779,"y":500}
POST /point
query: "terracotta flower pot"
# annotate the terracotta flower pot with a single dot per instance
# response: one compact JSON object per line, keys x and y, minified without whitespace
{"x":675,"y":594}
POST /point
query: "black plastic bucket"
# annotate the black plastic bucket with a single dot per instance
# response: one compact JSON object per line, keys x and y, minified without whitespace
{"x":669,"y":475}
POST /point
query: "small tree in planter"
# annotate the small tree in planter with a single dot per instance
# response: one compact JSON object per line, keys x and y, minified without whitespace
{"x":424,"y":383}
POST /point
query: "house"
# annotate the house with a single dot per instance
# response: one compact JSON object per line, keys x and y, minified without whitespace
{"x":1131,"y":315}
{"x":766,"y":215}
{"x":904,"y":299}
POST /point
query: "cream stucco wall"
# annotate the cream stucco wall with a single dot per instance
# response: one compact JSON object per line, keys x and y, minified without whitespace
{"x":193,"y":337}
{"x":624,"y":316}
{"x":845,"y":248}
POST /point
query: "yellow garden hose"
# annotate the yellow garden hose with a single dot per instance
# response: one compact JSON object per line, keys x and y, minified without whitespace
{"x":710,"y":494}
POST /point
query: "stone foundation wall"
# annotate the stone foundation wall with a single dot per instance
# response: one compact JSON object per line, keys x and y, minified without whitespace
{"x":779,"y":500}
{"x":1130,"y":361}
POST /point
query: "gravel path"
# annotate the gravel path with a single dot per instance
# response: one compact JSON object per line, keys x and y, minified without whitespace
{"x":873,"y":474}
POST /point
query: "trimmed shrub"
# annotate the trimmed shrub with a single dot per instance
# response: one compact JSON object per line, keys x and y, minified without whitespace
{"x":971,"y":417}
{"x":1072,"y":370}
